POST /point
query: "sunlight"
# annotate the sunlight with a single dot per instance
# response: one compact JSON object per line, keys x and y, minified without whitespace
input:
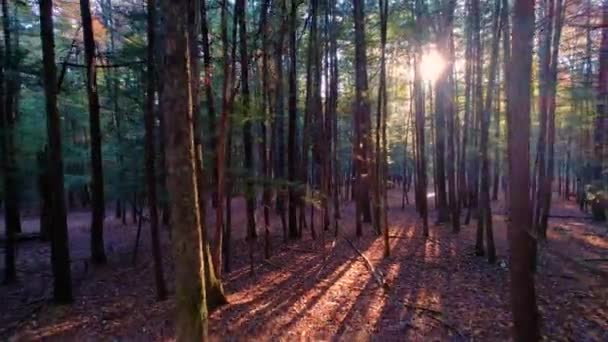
{"x":432,"y":65}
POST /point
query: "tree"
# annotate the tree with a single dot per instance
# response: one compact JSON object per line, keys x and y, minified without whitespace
{"x":361,"y":119}
{"x":98,"y":255}
{"x":381,"y":153}
{"x":176,"y":104}
{"x":446,"y":114}
{"x":485,"y":203}
{"x":421,"y":179}
{"x":161,"y":289}
{"x":12,"y":220}
{"x":60,"y":253}
{"x":292,"y":128}
{"x":522,"y":251}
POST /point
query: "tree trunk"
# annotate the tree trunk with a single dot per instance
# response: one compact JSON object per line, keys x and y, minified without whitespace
{"x":421,"y":179}
{"x":60,"y":253}
{"x":279,"y":167}
{"x":186,"y":223}
{"x":600,"y":138}
{"x":479,"y":113}
{"x":12,"y":220}
{"x":207,"y":84}
{"x":522,"y":245}
{"x":98,"y":255}
{"x":551,"y":91}
{"x":161,"y":288}
{"x":485,"y":200}
{"x":361,"y":119}
{"x":292,"y":123}
{"x":445,"y":115}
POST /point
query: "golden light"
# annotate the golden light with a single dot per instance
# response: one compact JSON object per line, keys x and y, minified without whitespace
{"x":431,"y":65}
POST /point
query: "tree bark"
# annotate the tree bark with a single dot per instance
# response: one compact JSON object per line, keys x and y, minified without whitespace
{"x":484,"y":189}
{"x":60,"y":253}
{"x":522,"y":249}
{"x":98,"y":255}
{"x":361,"y":119}
{"x":161,"y":288}
{"x":186,"y":223}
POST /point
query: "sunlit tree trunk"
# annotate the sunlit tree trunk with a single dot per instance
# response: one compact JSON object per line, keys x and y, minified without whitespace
{"x":176,"y":102}
{"x":421,"y":179}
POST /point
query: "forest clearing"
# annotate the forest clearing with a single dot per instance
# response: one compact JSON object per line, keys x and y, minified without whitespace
{"x":350,"y":170}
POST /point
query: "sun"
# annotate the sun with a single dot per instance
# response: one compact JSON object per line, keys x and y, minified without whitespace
{"x":431,"y":65}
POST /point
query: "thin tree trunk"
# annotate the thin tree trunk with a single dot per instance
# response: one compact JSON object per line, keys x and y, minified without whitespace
{"x":421,"y":178}
{"x":247,"y":135}
{"x":552,"y":84}
{"x":98,"y":255}
{"x":485,"y":201}
{"x":292,"y":133}
{"x":161,"y":288}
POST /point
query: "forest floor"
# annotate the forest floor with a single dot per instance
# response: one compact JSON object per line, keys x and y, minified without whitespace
{"x":437,"y":288}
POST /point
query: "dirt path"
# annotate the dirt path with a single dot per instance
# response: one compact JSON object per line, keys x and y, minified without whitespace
{"x":438,"y":289}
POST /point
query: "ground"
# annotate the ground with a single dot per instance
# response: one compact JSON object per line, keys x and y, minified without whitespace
{"x":437,"y":288}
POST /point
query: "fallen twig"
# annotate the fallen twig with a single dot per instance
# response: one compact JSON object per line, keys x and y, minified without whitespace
{"x":300,"y":250}
{"x":433,"y":315}
{"x":326,"y":258}
{"x":271,"y":264}
{"x":596,"y":259}
{"x":565,"y":276}
{"x":377,"y":274}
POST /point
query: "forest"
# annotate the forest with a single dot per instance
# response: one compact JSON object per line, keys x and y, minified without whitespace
{"x":404,"y":170}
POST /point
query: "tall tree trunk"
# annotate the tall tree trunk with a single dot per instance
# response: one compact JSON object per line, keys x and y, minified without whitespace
{"x":247,"y":135}
{"x":522,"y":245}
{"x":485,"y":200}
{"x":506,"y":60}
{"x":213,"y":285}
{"x":463,"y":187}
{"x":551,"y":99}
{"x":186,"y":223}
{"x":478,"y":105}
{"x":382,"y":112}
{"x":60,"y":253}
{"x":445,"y":115}
{"x":600,"y":138}
{"x":279,"y":167}
{"x":161,"y":288}
{"x":11,"y":217}
{"x":98,"y":255}
{"x":421,"y":179}
{"x":292,"y":123}
{"x":10,"y":100}
{"x":333,"y":108}
{"x":544,"y":61}
{"x":220,"y":165}
{"x":361,"y":119}
{"x":441,"y":113}
{"x":208,"y":85}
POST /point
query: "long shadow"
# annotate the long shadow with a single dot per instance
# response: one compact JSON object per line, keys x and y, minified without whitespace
{"x":362,"y":305}
{"x":277,"y":301}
